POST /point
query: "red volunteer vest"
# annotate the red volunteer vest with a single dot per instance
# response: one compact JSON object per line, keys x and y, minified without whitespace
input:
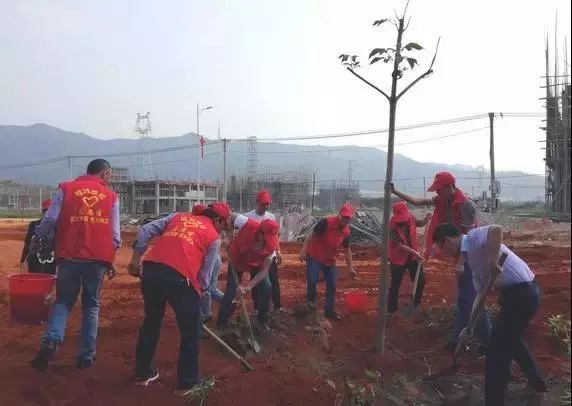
{"x":440,"y":216}
{"x":84,"y":229}
{"x":245,"y":256}
{"x":183,"y":245}
{"x":397,"y":255}
{"x":324,"y":248}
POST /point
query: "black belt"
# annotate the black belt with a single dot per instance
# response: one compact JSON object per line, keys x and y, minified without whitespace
{"x":517,"y":286}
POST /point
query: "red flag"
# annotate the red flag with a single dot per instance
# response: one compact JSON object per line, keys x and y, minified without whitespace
{"x":202,"y":141}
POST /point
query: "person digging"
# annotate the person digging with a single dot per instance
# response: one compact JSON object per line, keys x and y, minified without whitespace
{"x":251,"y":250}
{"x":404,"y":253}
{"x":320,"y":250}
{"x":177,"y":270}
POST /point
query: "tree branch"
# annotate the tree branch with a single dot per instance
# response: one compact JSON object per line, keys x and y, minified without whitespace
{"x":368,"y":82}
{"x":407,"y":25}
{"x":422,"y":76}
{"x":405,"y":11}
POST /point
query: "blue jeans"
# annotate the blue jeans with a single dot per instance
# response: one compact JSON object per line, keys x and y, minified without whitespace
{"x":72,"y":277}
{"x":160,"y":285}
{"x":466,"y":297}
{"x":213,"y":292}
{"x":313,"y":268}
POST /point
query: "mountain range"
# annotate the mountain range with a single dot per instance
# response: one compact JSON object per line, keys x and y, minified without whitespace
{"x":36,"y":154}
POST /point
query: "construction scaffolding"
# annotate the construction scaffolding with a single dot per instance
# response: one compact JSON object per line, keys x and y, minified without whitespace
{"x":288,"y":189}
{"x":557,"y":143}
{"x":331,"y":198}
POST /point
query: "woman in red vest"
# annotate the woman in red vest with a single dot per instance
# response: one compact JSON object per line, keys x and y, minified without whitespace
{"x":84,"y":215}
{"x":452,"y":206}
{"x":251,"y":250}
{"x":404,"y":252}
{"x":177,"y":270}
{"x":320,"y":250}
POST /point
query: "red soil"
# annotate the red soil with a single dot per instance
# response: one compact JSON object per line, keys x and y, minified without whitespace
{"x":292,"y":371}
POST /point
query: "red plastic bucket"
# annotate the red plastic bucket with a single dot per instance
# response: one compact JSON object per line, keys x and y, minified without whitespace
{"x":30,"y":296}
{"x":356,"y":301}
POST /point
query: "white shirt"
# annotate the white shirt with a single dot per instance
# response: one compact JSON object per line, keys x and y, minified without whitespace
{"x":266,"y":216}
{"x":513,"y":271}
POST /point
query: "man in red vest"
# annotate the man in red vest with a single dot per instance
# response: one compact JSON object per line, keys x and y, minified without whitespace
{"x":251,"y":250}
{"x":177,"y":270}
{"x":452,"y":206}
{"x":404,"y":252}
{"x":320,"y":250}
{"x":84,"y":216}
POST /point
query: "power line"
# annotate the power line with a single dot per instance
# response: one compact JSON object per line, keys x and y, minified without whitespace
{"x":314,"y":137}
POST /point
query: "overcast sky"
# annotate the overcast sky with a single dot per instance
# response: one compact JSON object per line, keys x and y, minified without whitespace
{"x":270,"y":69}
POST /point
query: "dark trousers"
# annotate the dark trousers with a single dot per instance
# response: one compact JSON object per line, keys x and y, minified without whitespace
{"x":160,"y":285}
{"x":397,"y":272}
{"x":260,"y":297}
{"x":518,"y":304}
{"x":275,"y":284}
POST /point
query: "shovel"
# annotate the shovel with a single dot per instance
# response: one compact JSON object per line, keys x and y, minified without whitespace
{"x":451,"y":369}
{"x":252,"y":341}
{"x":228,"y":348}
{"x":409,"y":310}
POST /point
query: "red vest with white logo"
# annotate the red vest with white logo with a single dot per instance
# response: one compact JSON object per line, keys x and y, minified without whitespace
{"x":84,"y":229}
{"x":245,"y":251}
{"x":324,"y":248}
{"x":397,"y":255}
{"x":440,"y":216}
{"x":184,"y":245}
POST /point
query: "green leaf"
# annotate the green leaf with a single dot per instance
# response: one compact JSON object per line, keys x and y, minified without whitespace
{"x":376,"y":51}
{"x":413,"y":45}
{"x":377,"y":23}
{"x":376,"y":59}
{"x":354,"y":57}
{"x":412,"y":62}
{"x":372,"y":374}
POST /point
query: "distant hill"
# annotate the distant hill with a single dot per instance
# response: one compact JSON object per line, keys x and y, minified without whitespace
{"x":40,"y":142}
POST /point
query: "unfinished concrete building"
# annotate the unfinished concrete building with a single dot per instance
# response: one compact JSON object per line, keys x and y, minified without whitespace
{"x":331,"y":198}
{"x":557,"y":144}
{"x":288,"y":189}
{"x":139,"y":197}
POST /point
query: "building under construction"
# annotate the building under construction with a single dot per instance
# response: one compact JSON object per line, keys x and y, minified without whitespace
{"x":140,"y":197}
{"x":331,"y":198}
{"x":557,"y":144}
{"x":288,"y":189}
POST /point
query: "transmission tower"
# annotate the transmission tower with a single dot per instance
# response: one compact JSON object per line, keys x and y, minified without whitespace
{"x":251,"y":170}
{"x":143,"y":132}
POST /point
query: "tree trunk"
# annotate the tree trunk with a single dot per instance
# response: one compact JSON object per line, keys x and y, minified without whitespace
{"x":382,"y":312}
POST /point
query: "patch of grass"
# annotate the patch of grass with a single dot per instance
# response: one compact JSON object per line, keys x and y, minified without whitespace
{"x":362,"y":391}
{"x":200,"y":392}
{"x":560,"y":327}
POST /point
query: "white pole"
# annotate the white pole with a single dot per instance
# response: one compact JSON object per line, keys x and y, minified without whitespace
{"x":198,"y":159}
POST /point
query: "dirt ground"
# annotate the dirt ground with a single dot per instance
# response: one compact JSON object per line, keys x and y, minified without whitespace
{"x":294,"y":368}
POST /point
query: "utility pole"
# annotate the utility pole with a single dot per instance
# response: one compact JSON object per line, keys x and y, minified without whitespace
{"x":70,"y":168}
{"x":492,"y":156}
{"x":40,"y":198}
{"x":224,"y":176}
{"x":200,"y":157}
{"x":313,"y":192}
{"x":424,"y":188}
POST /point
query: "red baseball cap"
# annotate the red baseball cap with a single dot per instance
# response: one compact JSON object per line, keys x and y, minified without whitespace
{"x":264,"y":197}
{"x":346,"y":210}
{"x":442,"y":179}
{"x":46,"y":204}
{"x":198,"y":209}
{"x":220,"y":209}
{"x":270,"y":230}
{"x":401,"y":212}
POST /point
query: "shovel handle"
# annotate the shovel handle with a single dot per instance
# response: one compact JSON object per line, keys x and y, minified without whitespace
{"x":245,"y":312}
{"x":228,"y":348}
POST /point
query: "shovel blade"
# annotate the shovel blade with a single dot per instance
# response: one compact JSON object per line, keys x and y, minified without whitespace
{"x":254,"y":345}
